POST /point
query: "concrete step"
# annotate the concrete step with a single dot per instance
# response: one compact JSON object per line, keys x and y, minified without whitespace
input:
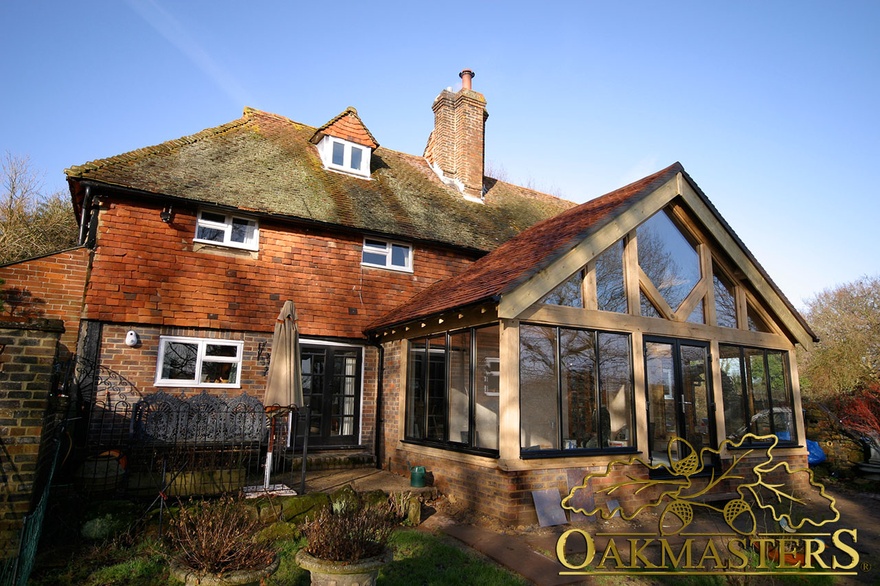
{"x":335,"y":460}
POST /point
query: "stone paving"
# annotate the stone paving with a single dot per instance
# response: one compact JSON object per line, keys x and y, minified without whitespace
{"x":530,"y":551}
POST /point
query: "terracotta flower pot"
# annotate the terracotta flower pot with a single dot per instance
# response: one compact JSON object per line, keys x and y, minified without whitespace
{"x":191,"y":577}
{"x":328,"y":573}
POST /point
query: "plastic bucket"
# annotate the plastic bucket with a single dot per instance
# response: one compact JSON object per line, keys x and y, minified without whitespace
{"x":417,"y":476}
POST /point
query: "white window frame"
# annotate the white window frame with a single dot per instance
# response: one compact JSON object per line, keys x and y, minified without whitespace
{"x":371,"y":247}
{"x":325,"y":149}
{"x":201,"y":359}
{"x":252,"y":242}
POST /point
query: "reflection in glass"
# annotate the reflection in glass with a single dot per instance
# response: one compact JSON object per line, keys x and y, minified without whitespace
{"x":486,"y":396}
{"x":538,"y":392}
{"x":569,"y":293}
{"x":725,"y":301}
{"x":610,"y":289}
{"x":668,"y":258}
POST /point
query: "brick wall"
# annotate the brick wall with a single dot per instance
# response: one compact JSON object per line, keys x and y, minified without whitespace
{"x":48,"y":287}
{"x":146,"y":271}
{"x":26,"y":364}
{"x":137,"y":365}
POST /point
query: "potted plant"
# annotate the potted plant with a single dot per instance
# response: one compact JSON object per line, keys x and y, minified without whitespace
{"x":347,"y":543}
{"x":215,"y":545}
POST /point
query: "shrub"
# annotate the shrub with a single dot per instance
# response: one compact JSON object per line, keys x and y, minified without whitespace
{"x":214,"y":537}
{"x":349,"y":531}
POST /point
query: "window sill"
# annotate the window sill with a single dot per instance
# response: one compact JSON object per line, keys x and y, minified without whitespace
{"x":449,"y":447}
{"x":224,"y":250}
{"x":753,"y":445}
{"x":538,"y":454}
{"x":387,"y":268}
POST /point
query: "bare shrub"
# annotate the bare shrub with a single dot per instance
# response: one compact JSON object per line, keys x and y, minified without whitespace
{"x":214,"y":537}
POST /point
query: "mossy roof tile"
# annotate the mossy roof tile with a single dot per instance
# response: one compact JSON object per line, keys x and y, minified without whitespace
{"x":266,"y":164}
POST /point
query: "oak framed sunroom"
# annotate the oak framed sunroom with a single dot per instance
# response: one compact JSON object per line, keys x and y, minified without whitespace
{"x":596,"y":335}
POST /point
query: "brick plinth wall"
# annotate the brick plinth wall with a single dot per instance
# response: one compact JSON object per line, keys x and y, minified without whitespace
{"x":26,"y":363}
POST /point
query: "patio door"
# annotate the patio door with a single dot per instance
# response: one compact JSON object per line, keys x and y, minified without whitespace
{"x":679,"y":399}
{"x":331,"y":377}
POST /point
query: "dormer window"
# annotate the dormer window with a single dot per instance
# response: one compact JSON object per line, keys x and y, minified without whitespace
{"x":227,"y":230}
{"x":345,"y":156}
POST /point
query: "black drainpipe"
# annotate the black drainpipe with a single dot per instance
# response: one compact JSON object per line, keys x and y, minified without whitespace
{"x":379,"y":416}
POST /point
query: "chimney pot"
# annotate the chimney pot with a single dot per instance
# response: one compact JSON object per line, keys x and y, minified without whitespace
{"x":466,"y":76}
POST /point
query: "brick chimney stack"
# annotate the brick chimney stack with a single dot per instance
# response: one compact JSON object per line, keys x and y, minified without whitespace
{"x":456,"y":147}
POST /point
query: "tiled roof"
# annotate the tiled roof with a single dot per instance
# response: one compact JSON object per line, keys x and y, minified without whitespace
{"x":264,"y":163}
{"x":512,"y":263}
{"x":347,"y":126}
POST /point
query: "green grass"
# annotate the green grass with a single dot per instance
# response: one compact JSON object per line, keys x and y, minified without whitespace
{"x":420,"y":558}
{"x":425,"y":559}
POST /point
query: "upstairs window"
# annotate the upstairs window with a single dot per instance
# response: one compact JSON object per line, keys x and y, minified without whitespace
{"x":387,"y":255}
{"x":345,"y":156}
{"x":198,"y":362}
{"x":227,"y":230}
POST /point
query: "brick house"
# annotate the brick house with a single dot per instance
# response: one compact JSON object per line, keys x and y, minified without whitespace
{"x":502,"y":337}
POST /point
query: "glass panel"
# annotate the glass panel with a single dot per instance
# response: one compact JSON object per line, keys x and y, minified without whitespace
{"x":610,"y":290}
{"x":219,"y":372}
{"x":459,"y":387}
{"x":356,"y":158}
{"x":667,"y":258}
{"x":725,"y":301}
{"x":732,"y":390}
{"x":486,"y":398}
{"x":616,"y":388}
{"x":338,"y":153}
{"x":695,"y":398}
{"x":759,"y":406}
{"x":211,"y":217}
{"x":436,"y":425}
{"x":344,"y":389}
{"x":179,"y":361}
{"x":756,"y":324}
{"x":415,"y":390}
{"x":696,"y":316}
{"x":538,"y":388}
{"x":648,"y":309}
{"x":242,"y":230}
{"x":212,"y":234}
{"x":569,"y":293}
{"x":313,"y":363}
{"x":662,"y":418}
{"x":584,"y":425}
{"x":781,"y":419}
{"x":372,"y":258}
{"x":221,"y":350}
{"x":399,"y":256}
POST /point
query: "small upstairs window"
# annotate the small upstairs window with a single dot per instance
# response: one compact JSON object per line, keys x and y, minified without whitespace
{"x":345,"y":156}
{"x":387,"y":255}
{"x":227,"y":230}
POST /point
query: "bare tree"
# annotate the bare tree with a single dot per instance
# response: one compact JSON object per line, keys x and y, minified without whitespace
{"x":31,"y":223}
{"x":847,"y":321}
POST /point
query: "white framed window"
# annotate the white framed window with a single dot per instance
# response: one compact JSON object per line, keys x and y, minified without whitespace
{"x":227,"y":230}
{"x":387,"y":255}
{"x":345,"y":156}
{"x":198,"y":362}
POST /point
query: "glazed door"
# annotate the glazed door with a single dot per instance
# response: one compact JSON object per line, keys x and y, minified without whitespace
{"x":678,"y":376}
{"x":331,"y":377}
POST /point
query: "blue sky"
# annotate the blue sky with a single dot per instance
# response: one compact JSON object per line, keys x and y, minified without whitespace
{"x":773,"y":107}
